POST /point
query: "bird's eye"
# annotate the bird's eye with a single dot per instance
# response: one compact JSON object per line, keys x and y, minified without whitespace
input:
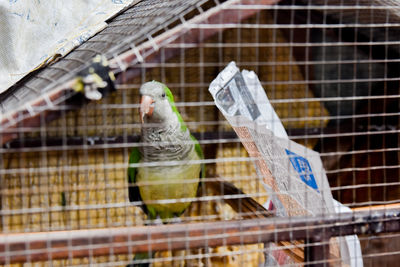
{"x":163,"y":95}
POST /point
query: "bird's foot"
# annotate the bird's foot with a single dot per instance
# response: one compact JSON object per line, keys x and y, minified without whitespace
{"x":176,"y":219}
{"x":156,"y":221}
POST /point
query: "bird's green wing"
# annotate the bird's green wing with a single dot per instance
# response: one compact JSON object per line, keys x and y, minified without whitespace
{"x":134,"y":194}
{"x":199,"y":152}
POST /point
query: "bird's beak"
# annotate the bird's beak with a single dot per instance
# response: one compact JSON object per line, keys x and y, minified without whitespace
{"x":146,"y":107}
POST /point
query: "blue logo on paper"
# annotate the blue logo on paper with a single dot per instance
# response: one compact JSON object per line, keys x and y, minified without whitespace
{"x":303,"y":168}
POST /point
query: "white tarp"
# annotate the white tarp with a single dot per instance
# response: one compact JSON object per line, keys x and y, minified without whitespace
{"x":34,"y":32}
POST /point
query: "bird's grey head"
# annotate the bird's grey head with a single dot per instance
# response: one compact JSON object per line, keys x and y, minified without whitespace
{"x":154,"y":104}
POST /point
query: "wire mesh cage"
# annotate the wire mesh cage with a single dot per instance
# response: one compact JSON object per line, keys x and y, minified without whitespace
{"x":73,"y":192}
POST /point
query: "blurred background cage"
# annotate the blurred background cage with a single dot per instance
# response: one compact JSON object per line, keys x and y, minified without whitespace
{"x":330,"y":69}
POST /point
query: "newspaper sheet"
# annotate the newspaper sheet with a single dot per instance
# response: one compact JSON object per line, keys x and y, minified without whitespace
{"x":292,"y":174}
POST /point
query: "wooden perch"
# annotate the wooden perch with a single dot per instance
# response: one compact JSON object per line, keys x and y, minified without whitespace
{"x":42,"y":246}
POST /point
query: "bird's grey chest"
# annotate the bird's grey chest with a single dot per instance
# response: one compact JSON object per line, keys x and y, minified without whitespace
{"x":165,"y":144}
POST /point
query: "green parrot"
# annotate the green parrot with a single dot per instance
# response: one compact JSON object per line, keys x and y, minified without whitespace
{"x":167,"y":141}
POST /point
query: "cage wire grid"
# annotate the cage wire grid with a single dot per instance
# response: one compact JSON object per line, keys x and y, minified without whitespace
{"x":331,"y":72}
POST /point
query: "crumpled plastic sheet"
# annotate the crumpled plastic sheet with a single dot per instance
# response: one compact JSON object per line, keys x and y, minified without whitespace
{"x":33,"y":33}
